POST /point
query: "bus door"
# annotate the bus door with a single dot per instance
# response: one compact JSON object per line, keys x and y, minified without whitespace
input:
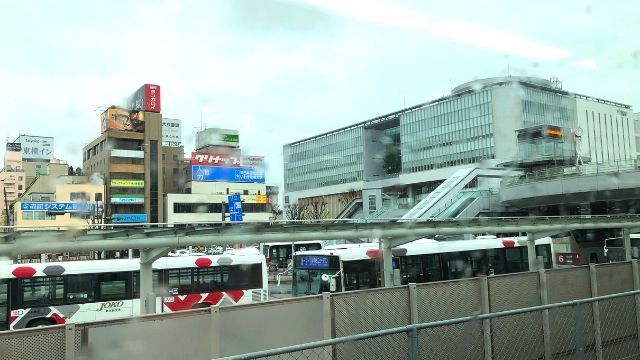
{"x":4,"y":305}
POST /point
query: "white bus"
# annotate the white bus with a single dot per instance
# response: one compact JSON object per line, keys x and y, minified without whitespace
{"x":78,"y":291}
{"x":614,"y":248}
{"x":356,"y":267}
{"x":279,"y":254}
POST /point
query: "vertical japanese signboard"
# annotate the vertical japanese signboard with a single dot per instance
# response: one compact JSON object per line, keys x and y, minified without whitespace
{"x":171,"y":132}
{"x":146,"y":98}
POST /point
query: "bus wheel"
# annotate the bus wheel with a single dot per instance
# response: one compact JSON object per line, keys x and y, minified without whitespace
{"x":40,"y":323}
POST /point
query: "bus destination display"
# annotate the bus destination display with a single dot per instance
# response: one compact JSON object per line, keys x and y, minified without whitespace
{"x":314,"y":262}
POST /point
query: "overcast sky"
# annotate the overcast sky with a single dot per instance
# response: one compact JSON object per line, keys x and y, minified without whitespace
{"x":279,"y":71}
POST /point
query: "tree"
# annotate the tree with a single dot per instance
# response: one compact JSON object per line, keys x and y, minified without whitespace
{"x":276,"y":211}
{"x":294,"y":212}
{"x":316,"y":209}
{"x":346,"y":197}
{"x":70,"y":172}
{"x":392,"y":163}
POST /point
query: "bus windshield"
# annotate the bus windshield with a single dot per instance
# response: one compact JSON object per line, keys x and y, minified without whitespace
{"x":308,"y":271}
{"x":614,"y":249}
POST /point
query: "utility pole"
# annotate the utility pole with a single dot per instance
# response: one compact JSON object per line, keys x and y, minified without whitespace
{"x":223,"y":211}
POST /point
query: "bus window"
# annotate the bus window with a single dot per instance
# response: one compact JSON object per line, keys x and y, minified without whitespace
{"x":179,"y":281}
{"x":80,"y":288}
{"x":545,"y":252}
{"x":307,"y":247}
{"x":516,"y":259}
{"x":495,"y":261}
{"x":412,"y":270}
{"x":360,"y":274}
{"x":3,"y":305}
{"x":242,"y":277}
{"x":206,"y":280}
{"x":112,"y":286}
{"x":457,"y":265}
{"x":42,"y":291}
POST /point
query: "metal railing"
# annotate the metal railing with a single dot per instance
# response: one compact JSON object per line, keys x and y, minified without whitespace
{"x":573,"y":171}
{"x":595,"y":327}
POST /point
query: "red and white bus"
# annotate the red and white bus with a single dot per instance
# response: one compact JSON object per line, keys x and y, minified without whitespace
{"x":356,"y":267}
{"x":78,"y":291}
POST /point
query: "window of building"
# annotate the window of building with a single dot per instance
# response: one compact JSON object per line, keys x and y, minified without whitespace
{"x":164,"y":157}
{"x":19,"y":187}
{"x":175,"y":157}
{"x":20,"y":178}
{"x":79,"y":196}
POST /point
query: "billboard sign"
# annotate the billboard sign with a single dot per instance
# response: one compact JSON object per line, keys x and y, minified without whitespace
{"x":235,"y":208}
{"x":217,"y":137}
{"x":252,"y":161}
{"x":146,"y":98}
{"x":128,"y":218}
{"x":57,"y":206}
{"x":231,"y":174}
{"x":215,"y":159}
{"x":171,"y":132}
{"x":127,"y":183}
{"x":255,"y":199}
{"x":127,"y":199}
{"x":121,"y":119}
{"x":36,"y":147}
{"x":14,"y":147}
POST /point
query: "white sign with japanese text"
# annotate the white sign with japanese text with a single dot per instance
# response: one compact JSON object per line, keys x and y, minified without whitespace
{"x":36,"y":147}
{"x":171,"y":132}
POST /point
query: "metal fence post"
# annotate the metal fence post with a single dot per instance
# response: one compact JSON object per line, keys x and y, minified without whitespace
{"x":544,"y":300}
{"x":214,"y":340}
{"x":636,"y":286}
{"x":597,"y":331}
{"x":413,"y":304}
{"x":327,"y":323}
{"x":486,"y":323}
{"x":70,"y":341}
{"x":413,"y":344}
{"x":578,"y":317}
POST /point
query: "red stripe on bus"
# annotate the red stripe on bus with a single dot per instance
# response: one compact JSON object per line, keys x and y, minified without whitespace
{"x":508,"y":243}
{"x":58,"y":319}
{"x":235,"y":295}
{"x":23,"y":272}
{"x":203,"y":262}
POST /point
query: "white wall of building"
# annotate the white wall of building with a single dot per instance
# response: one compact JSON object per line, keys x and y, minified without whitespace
{"x":506,"y":104}
{"x":173,"y":217}
{"x":211,"y":187}
{"x":608,"y":132}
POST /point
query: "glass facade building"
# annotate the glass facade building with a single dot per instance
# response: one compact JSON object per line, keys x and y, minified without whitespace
{"x":453,"y":132}
{"x":334,"y":158}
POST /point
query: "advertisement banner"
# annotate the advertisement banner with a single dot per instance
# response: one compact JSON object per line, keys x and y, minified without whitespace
{"x":128,"y":218}
{"x":231,"y":174}
{"x":255,"y":199}
{"x":36,"y":147}
{"x":217,"y":137}
{"x":14,"y":147}
{"x":146,"y":98}
{"x":127,"y":183}
{"x":57,"y":206}
{"x":127,"y":199}
{"x":215,"y":159}
{"x":122,"y":119}
{"x":171,"y":132}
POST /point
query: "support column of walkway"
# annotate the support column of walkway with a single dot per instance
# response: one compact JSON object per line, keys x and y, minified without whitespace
{"x":147,"y":297}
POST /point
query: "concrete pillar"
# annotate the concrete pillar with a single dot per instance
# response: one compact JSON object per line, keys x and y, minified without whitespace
{"x":411,"y":193}
{"x":531,"y":250}
{"x":626,"y":236}
{"x":147,"y":297}
{"x":387,"y":268}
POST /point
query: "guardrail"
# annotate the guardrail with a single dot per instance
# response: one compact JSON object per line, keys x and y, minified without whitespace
{"x":480,"y":336}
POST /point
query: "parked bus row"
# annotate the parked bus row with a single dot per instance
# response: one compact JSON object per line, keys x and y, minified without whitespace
{"x":357,"y":266}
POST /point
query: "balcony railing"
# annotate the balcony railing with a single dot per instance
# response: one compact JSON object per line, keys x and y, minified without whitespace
{"x":615,"y":167}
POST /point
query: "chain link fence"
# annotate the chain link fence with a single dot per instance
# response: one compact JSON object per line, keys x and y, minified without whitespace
{"x":571,"y":331}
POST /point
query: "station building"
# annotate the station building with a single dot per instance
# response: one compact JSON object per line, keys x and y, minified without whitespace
{"x":474,"y":147}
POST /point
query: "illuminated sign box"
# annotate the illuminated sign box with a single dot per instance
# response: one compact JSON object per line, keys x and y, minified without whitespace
{"x":127,"y":183}
{"x":230,"y":174}
{"x":127,"y":199}
{"x":128,"y":218}
{"x":57,"y":206}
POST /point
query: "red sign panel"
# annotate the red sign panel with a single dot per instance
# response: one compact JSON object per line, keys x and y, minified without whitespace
{"x":214,"y":159}
{"x":568,"y":258}
{"x":151,"y":98}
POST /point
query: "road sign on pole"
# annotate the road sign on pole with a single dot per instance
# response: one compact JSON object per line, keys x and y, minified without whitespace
{"x":235,"y":208}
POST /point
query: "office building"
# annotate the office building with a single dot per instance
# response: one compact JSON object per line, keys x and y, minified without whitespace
{"x":128,"y":155}
{"x":215,"y":171}
{"x":522,"y":121}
